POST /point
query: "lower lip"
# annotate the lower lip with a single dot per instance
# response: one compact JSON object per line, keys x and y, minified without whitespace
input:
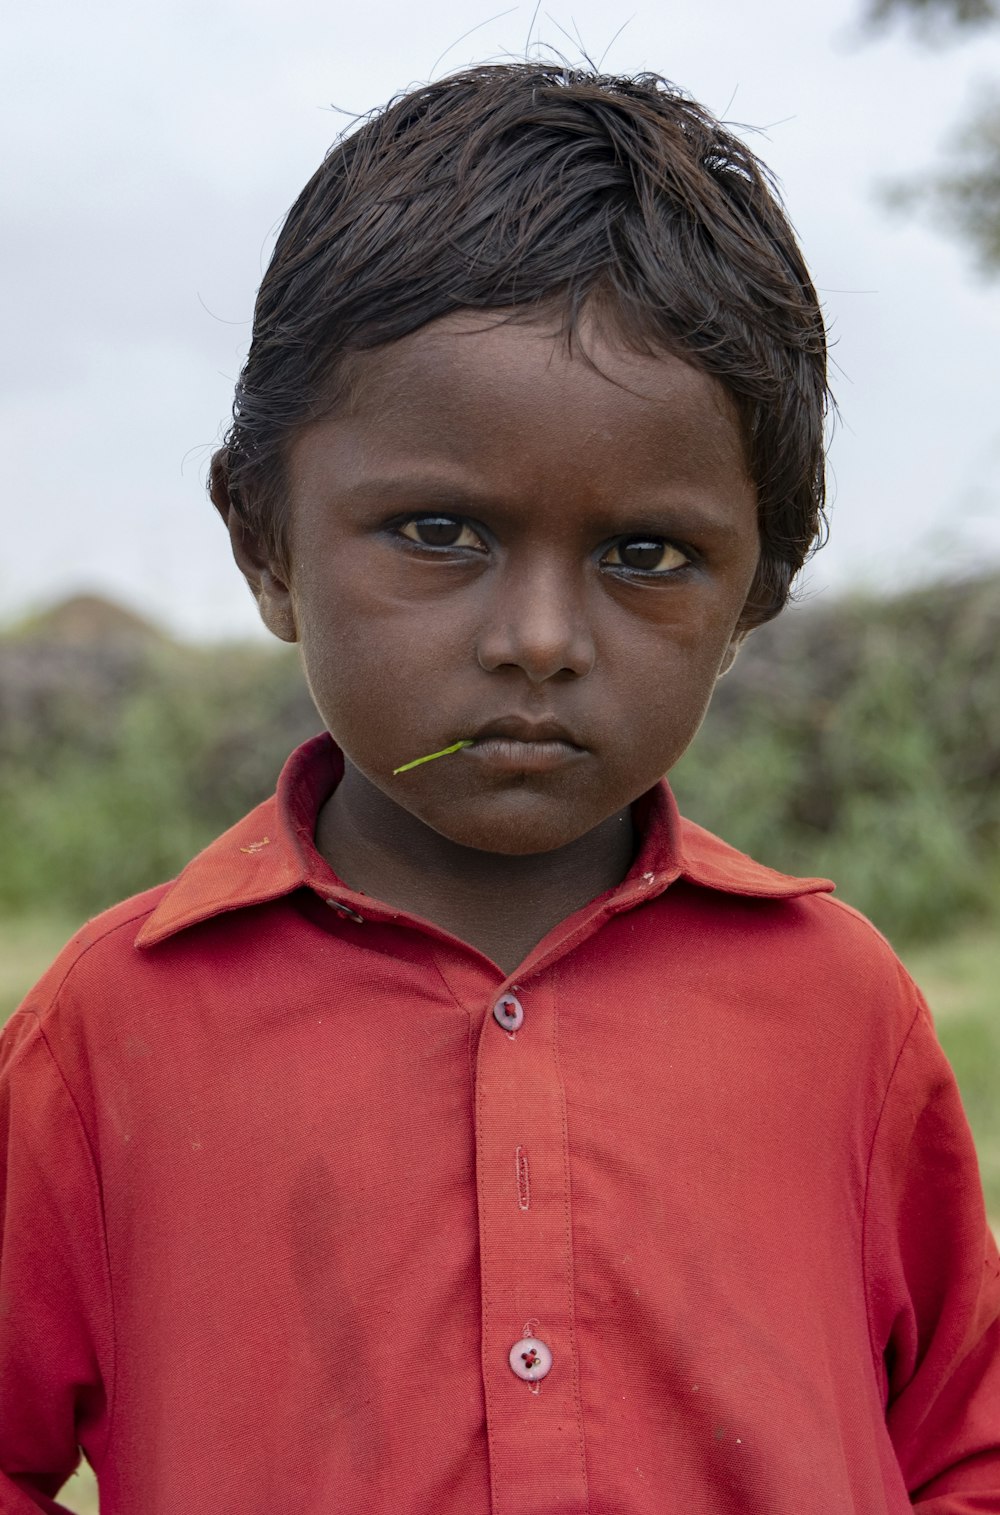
{"x":506,"y":755}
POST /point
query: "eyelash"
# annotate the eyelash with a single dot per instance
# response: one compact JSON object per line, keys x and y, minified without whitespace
{"x":636,"y":540}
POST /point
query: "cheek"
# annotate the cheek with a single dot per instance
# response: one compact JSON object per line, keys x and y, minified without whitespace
{"x":670,"y":687}
{"x":687,"y":641}
{"x":367,"y":672}
{"x":670,"y":711}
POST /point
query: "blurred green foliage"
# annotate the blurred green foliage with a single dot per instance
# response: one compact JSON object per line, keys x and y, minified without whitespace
{"x":859,"y":739}
{"x":959,"y":976}
{"x":862,"y":741}
{"x":112,"y":778}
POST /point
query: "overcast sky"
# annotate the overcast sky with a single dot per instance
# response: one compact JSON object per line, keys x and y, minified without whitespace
{"x":151,"y":150}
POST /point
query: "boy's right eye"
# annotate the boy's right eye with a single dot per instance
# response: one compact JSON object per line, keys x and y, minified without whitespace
{"x":441,"y":531}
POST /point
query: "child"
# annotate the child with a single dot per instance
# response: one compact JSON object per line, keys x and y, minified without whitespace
{"x":463,"y":1131}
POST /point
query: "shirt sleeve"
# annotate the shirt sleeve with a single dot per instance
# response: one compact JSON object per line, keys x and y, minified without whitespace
{"x":55,"y":1330}
{"x":933,"y":1280}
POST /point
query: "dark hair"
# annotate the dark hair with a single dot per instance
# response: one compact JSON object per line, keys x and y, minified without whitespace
{"x":524,"y":186}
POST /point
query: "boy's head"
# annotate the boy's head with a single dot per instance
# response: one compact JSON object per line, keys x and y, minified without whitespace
{"x":530,"y":188}
{"x":529,"y":436}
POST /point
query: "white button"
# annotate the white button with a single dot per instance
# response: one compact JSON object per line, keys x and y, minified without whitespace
{"x":530,"y":1358}
{"x":508,"y":1012}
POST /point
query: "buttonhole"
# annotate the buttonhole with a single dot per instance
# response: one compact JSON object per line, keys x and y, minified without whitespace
{"x":523,"y":1185}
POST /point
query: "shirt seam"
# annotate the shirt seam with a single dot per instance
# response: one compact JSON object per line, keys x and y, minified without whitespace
{"x":877,"y":1359}
{"x":105,"y":1250}
{"x":570,"y":1268}
{"x":484,"y":1293}
{"x":37,"y":1015}
{"x":472,"y":1044}
{"x":862,"y":920}
{"x":448,"y":989}
{"x":84,"y":951}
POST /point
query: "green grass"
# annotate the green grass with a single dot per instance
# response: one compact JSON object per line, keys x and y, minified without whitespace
{"x":961,"y":978}
{"x":959,"y":975}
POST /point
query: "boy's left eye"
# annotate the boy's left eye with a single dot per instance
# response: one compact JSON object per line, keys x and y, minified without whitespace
{"x":647,"y":553}
{"x":440,"y":531}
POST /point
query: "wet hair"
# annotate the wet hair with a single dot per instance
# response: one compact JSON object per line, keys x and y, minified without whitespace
{"x":533,"y":189}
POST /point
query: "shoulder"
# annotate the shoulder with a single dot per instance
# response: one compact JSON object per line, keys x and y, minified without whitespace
{"x":105,"y":956}
{"x":88,"y":1003}
{"x":97,"y":956}
{"x":43,"y":1046}
{"x":715,"y":865}
{"x":799,"y":938}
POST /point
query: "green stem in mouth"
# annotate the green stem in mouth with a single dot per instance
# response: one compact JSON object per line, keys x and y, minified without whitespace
{"x":431,"y":756}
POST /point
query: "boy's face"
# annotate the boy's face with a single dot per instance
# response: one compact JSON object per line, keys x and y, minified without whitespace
{"x":496,"y":530}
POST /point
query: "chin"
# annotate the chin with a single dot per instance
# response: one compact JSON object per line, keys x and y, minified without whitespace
{"x":512,"y":835}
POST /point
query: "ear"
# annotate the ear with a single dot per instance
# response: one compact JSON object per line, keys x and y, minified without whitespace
{"x":267,"y":580}
{"x":729,"y":656}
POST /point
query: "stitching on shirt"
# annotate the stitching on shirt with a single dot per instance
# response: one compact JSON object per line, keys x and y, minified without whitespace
{"x":37,"y":1014}
{"x":484,"y":1295}
{"x":832,"y":900}
{"x":580,"y":933}
{"x":571,"y":1306}
{"x":523,"y":1183}
{"x":473,"y":1048}
{"x":78,"y":959}
{"x":877,"y":1359}
{"x":473,"y":1091}
{"x":443,"y":977}
{"x":112,"y":1397}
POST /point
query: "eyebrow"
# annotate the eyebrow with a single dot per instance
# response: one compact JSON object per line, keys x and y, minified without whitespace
{"x":408,"y":486}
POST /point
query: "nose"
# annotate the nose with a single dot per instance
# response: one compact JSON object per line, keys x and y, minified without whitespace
{"x":536,"y":620}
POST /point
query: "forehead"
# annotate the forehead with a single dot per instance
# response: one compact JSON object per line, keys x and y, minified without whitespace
{"x":512,"y":406}
{"x":462,"y":360}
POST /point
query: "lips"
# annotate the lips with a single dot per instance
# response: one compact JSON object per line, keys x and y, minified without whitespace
{"x":515,"y":745}
{"x":516,"y":728}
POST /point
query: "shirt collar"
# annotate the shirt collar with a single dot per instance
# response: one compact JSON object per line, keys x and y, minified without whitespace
{"x":271,"y":853}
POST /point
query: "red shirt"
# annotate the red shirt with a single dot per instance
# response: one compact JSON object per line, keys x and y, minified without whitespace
{"x":283,"y":1193}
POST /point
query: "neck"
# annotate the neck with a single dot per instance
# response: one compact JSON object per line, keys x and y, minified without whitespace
{"x":500,"y":904}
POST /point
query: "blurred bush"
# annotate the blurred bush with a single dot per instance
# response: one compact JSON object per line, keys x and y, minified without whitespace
{"x":122,"y":755}
{"x":859,"y":739}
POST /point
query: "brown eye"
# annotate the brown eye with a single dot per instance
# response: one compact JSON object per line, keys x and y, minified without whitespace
{"x":646,"y":553}
{"x":440,"y":531}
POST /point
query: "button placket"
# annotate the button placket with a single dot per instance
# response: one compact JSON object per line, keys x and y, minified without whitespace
{"x":530,"y":1374}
